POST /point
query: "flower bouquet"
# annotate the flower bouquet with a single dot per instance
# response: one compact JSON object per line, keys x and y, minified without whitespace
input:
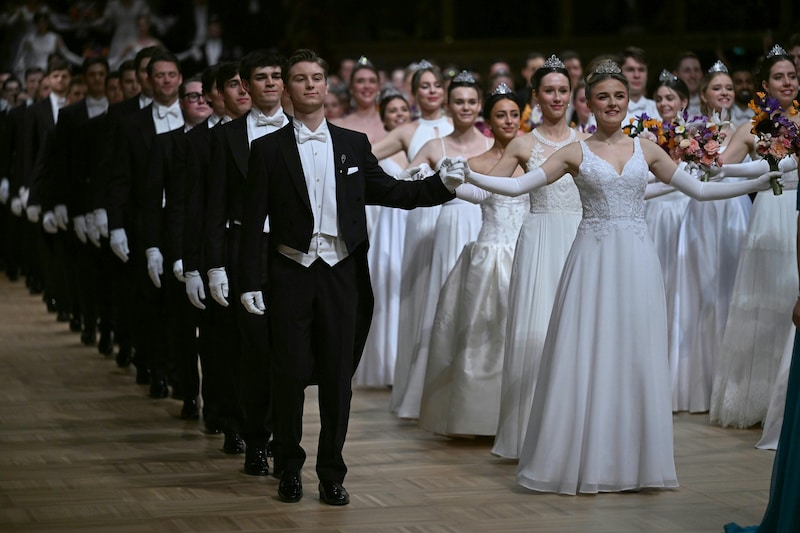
{"x":778,"y":136}
{"x":696,"y":141}
{"x":646,"y":128}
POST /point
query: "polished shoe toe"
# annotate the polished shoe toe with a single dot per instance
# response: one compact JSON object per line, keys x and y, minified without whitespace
{"x":88,"y":337}
{"x":190,"y":410}
{"x":333,"y":493}
{"x":255,"y":461}
{"x":75,"y":325}
{"x":290,"y":488}
{"x":233,"y":443}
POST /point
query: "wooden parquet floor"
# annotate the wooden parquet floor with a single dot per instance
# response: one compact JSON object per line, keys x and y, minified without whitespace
{"x":82,"y":448}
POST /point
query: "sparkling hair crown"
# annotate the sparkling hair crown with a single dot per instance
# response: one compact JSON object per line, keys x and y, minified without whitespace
{"x":391,"y":92}
{"x":777,"y":50}
{"x":364,"y":62}
{"x":607,"y":66}
{"x":502,"y":89}
{"x":719,"y":66}
{"x":666,"y":76}
{"x":464,"y":76}
{"x":423,"y":64}
{"x":554,"y":62}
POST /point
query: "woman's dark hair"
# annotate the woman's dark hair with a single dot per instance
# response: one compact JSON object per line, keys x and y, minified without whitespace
{"x":604,"y":70}
{"x":676,"y":84}
{"x":463,"y":79}
{"x":766,"y":64}
{"x":544,"y":70}
{"x":386,"y":98}
{"x":415,"y":79}
{"x":494,"y":98}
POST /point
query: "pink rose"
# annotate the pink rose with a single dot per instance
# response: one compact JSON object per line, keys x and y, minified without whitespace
{"x":712,"y":147}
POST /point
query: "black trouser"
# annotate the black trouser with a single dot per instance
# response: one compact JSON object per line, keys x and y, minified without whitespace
{"x":183,"y":318}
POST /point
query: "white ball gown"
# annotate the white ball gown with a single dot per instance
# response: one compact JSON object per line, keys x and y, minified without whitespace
{"x":760,"y":313}
{"x":385,"y":256}
{"x":601,"y":418}
{"x":709,"y":243}
{"x":773,"y":422}
{"x":542,"y":247}
{"x":461,"y":394}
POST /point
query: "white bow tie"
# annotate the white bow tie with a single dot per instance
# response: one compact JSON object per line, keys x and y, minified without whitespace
{"x":275,"y":120}
{"x":162,"y":111}
{"x":306,"y":135}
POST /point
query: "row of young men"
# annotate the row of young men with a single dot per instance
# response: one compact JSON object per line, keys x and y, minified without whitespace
{"x":103,"y":195}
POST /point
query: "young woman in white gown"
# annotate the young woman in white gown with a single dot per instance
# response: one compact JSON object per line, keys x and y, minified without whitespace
{"x":542,"y":247}
{"x":456,"y":225}
{"x":601,"y":418}
{"x":385,"y":256}
{"x":764,"y":293}
{"x":427,"y":87}
{"x":461,"y":394}
{"x":709,"y":242}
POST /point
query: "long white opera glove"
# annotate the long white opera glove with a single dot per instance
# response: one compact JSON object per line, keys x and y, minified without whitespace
{"x":253,"y":302}
{"x":753,"y":169}
{"x":119,"y":244}
{"x":49,"y":222}
{"x":194,"y":289}
{"x":218,"y":285}
{"x":16,"y":206}
{"x":33,"y":212}
{"x":177,"y":270}
{"x":4,"y":190}
{"x":92,"y":233}
{"x":79,"y":227}
{"x":101,"y":221}
{"x":62,"y":218}
{"x":471,"y":193}
{"x":707,"y":190}
{"x":509,"y":186}
{"x":155,"y":265}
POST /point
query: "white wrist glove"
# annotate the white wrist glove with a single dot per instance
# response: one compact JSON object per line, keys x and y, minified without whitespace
{"x":155,"y":265}
{"x":24,"y":194}
{"x":92,"y":232}
{"x":79,"y":227}
{"x":119,"y":243}
{"x":408,"y":174}
{"x":471,"y":193}
{"x":33,"y":212}
{"x":218,"y":285}
{"x":16,"y":206}
{"x":4,"y":190}
{"x":177,"y":270}
{"x":194,"y":289}
{"x":62,"y":218}
{"x":49,"y":222}
{"x":453,"y":172}
{"x":706,"y":190}
{"x":101,"y":221}
{"x":509,"y":186}
{"x":253,"y":302}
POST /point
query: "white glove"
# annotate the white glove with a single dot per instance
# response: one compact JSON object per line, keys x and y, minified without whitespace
{"x":253,"y":302}
{"x":62,"y":218}
{"x":177,"y":269}
{"x":218,"y":285}
{"x":101,"y":221}
{"x":24,"y":194}
{"x":408,"y":174}
{"x":453,"y":172}
{"x":194,"y":289}
{"x":471,"y":193}
{"x":752,"y":169}
{"x":16,"y":206}
{"x":33,"y":212}
{"x":155,"y":265}
{"x":119,"y":243}
{"x":92,"y":232}
{"x":4,"y":190}
{"x":79,"y":227}
{"x":508,"y":186}
{"x":706,"y":190}
{"x":49,"y":222}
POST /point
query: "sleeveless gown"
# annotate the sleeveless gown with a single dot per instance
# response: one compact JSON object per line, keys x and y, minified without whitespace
{"x":542,"y":247}
{"x":414,"y":274}
{"x":601,"y":418}
{"x":461,"y":394}
{"x":760,"y":314}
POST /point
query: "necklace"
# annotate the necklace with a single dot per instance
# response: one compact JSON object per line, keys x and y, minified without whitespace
{"x":554,"y":144}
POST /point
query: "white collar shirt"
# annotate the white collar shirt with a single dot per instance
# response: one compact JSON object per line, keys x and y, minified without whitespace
{"x":259,"y":125}
{"x":167,"y":118}
{"x":96,"y":106}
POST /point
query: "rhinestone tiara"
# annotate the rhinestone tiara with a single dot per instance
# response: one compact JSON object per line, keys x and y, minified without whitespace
{"x":666,"y":76}
{"x":777,"y":50}
{"x":502,"y":89}
{"x":423,"y":64}
{"x":607,"y":66}
{"x":464,"y":76}
{"x":554,"y":62}
{"x":363,"y":61}
{"x":391,"y":92}
{"x":719,"y":66}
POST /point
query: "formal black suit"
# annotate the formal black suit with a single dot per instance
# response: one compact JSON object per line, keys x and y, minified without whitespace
{"x":11,"y":167}
{"x":319,"y":315}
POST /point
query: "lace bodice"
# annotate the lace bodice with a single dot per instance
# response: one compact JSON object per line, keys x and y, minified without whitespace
{"x":612,"y":200}
{"x":502,"y":219}
{"x":561,"y":196}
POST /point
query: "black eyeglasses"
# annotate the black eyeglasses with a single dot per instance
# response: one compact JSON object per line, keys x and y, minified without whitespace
{"x":194,"y":97}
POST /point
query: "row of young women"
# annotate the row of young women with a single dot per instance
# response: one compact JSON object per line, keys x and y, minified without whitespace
{"x":484,"y":370}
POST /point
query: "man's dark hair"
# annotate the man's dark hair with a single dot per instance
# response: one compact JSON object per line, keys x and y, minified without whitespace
{"x":258,"y":59}
{"x":225,"y":72}
{"x":163,"y":56}
{"x":89,"y":61}
{"x":301,"y":56}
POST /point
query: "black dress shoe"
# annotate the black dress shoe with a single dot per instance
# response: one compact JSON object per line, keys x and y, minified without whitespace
{"x":106,"y":344}
{"x":211,"y":428}
{"x":333,"y":493}
{"x":62,"y":316}
{"x":233,"y":443}
{"x":88,"y":337}
{"x":158,"y":388}
{"x":142,"y":375}
{"x":255,"y":461}
{"x":270,"y":450}
{"x":75,"y":324}
{"x":124,"y":358}
{"x":190,"y":411}
{"x":290,"y":488}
